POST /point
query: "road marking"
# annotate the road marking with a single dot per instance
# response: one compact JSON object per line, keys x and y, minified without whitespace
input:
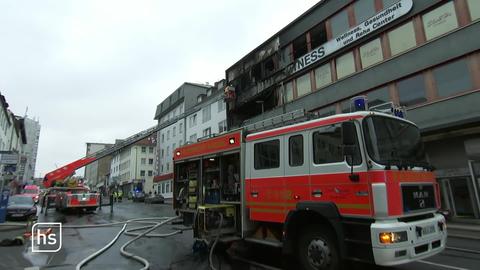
{"x":442,"y":265}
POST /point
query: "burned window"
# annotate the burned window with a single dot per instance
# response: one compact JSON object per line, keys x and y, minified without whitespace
{"x":267,"y":155}
{"x":318,"y":35}
{"x":256,"y":72}
{"x":300,"y":46}
{"x":270,"y":65}
{"x":295,"y":153}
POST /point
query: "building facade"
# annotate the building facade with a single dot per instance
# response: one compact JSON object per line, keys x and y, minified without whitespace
{"x":132,"y":167}
{"x":416,"y":54}
{"x":13,"y":139}
{"x":32,"y":129}
{"x":208,"y":117}
{"x":171,"y":113}
{"x":96,"y":173}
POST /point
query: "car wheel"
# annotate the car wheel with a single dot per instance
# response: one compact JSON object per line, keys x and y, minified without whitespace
{"x":317,"y":249}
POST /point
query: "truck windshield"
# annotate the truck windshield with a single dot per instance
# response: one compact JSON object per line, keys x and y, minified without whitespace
{"x":392,"y":141}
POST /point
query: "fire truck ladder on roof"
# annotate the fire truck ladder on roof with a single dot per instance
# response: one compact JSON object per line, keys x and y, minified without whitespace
{"x":278,"y":121}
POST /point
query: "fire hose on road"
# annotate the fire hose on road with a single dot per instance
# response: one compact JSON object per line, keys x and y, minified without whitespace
{"x":155,"y":223}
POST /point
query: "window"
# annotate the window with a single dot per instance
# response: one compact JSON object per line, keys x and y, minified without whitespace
{"x":267,"y":155}
{"x":163,"y":187}
{"x":339,"y":23}
{"x":452,"y":78}
{"x":318,"y":35}
{"x":345,"y":65}
{"x":143,"y":161}
{"x":168,"y":166}
{"x":162,"y":169}
{"x":180,"y":128}
{"x":174,"y":146}
{"x":209,"y":92}
{"x":371,"y":53}
{"x":303,"y":85}
{"x":142,"y":173}
{"x":163,"y":152}
{"x":222,"y":126}
{"x":163,"y":137}
{"x":150,"y":173}
{"x":168,"y":135}
{"x":440,"y":20}
{"x":193,"y":120}
{"x":327,"y":145}
{"x":221,"y":105}
{"x":402,"y":38}
{"x":180,"y":143}
{"x":378,"y":96}
{"x":168,"y":151}
{"x":193,"y":138}
{"x":150,"y":150}
{"x":474,"y":7}
{"x":288,"y":92}
{"x":207,"y":132}
{"x":363,"y":9}
{"x":300,"y":46}
{"x":323,"y":75}
{"x":144,"y":149}
{"x":412,"y":90}
{"x":207,"y":114}
{"x":327,"y":111}
{"x":295,"y":153}
{"x":150,"y":161}
{"x":174,"y":132}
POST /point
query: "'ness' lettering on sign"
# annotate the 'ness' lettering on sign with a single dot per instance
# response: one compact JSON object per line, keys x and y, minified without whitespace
{"x":375,"y":22}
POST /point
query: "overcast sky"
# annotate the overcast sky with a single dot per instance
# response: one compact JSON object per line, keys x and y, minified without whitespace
{"x":94,"y":71}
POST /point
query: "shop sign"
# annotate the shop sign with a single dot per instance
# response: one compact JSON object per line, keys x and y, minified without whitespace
{"x":365,"y":28}
{"x":8,"y":158}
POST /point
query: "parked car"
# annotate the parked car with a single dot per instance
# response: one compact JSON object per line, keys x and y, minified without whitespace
{"x":138,"y":196}
{"x":157,"y":198}
{"x":21,"y":207}
{"x":33,"y":191}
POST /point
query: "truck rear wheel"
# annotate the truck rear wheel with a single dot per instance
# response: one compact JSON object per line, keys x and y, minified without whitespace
{"x":317,"y":249}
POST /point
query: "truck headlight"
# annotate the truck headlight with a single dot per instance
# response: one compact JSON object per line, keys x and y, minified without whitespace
{"x":393,"y":237}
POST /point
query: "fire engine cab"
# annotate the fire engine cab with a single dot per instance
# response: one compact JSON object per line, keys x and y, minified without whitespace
{"x":352,"y":186}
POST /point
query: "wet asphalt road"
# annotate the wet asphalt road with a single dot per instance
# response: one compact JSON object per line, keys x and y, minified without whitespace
{"x":174,"y":252}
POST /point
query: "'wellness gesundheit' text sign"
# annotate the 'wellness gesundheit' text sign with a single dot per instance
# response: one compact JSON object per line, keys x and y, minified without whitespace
{"x":370,"y":25}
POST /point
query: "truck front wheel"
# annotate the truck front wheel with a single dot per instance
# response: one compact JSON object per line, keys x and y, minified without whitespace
{"x":317,"y":249}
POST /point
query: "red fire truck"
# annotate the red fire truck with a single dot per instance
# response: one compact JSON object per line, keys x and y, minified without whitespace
{"x":350,"y":186}
{"x":76,"y":198}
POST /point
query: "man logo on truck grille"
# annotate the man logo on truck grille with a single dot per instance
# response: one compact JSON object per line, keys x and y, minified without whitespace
{"x":422,"y":203}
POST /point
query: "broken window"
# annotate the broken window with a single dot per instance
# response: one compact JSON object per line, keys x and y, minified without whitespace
{"x":300,"y":46}
{"x":318,"y":35}
{"x":256,"y":72}
{"x":270,"y":65}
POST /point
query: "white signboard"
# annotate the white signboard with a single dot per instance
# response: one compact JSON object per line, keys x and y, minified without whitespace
{"x":8,"y":158}
{"x":370,"y":25}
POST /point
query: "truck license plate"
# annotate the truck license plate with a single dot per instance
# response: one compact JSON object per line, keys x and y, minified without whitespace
{"x":428,"y":230}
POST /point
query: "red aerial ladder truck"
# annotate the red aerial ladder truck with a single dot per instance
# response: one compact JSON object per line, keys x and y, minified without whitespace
{"x":349,"y":186}
{"x":60,"y":174}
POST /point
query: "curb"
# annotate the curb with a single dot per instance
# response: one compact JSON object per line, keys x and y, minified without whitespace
{"x":461,"y":236}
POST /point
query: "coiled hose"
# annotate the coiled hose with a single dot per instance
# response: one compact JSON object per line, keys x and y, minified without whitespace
{"x":154,"y":225}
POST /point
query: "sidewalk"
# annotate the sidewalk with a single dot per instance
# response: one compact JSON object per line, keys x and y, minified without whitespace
{"x":467,"y":230}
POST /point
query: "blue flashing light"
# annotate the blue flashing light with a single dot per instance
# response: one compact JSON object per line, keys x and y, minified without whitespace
{"x":360,"y":103}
